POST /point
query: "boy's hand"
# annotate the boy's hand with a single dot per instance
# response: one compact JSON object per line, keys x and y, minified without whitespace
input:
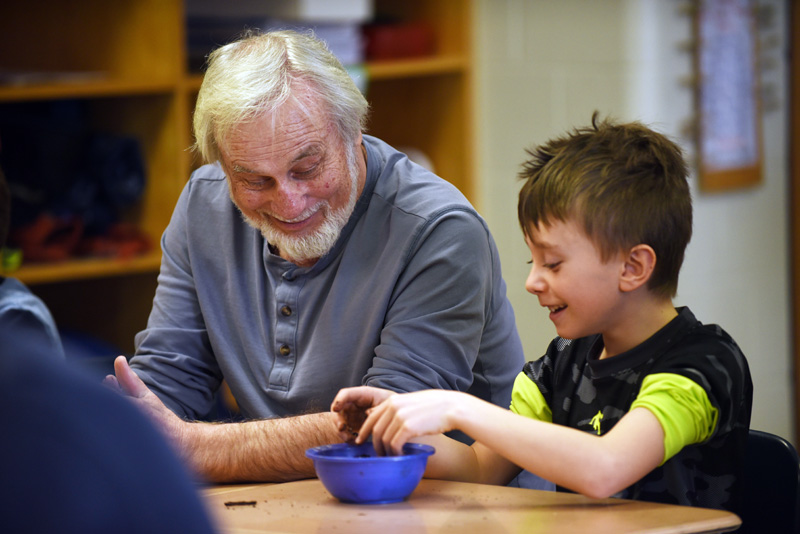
{"x":352,"y":406}
{"x":402,"y":417}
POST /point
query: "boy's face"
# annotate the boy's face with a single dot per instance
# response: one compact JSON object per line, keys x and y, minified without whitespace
{"x":567,"y":274}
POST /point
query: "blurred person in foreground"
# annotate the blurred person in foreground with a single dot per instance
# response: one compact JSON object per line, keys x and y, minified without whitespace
{"x":76,"y":457}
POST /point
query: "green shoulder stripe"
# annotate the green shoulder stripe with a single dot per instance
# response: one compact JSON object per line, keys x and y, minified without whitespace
{"x":681,"y":406}
{"x":527,"y":400}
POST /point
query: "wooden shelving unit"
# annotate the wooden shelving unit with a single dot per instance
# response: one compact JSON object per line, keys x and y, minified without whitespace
{"x":127,"y":59}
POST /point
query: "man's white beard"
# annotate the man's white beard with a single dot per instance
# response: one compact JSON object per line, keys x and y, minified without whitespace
{"x":302,"y":249}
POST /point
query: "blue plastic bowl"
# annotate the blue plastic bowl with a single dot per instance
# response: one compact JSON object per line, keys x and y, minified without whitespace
{"x":356,"y":474}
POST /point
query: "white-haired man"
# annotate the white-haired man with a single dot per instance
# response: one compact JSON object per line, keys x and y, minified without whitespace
{"x":305,"y":257}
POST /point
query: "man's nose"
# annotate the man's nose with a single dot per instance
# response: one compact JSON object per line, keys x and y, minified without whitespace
{"x":288,"y":199}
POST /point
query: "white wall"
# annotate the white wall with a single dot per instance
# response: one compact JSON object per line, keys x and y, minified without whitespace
{"x":544,"y":66}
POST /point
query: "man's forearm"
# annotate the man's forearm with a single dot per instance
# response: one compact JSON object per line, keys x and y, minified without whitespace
{"x":270,"y":450}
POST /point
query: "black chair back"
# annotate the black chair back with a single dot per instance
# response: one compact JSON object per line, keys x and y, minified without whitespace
{"x":771,"y":486}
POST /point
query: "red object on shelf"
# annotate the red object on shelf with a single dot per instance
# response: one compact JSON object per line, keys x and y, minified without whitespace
{"x":123,"y":241}
{"x":399,"y":41}
{"x":51,"y":239}
{"x":48,"y":238}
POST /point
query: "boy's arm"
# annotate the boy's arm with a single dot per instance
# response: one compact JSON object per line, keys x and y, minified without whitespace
{"x":457,"y":461}
{"x":597,"y":466}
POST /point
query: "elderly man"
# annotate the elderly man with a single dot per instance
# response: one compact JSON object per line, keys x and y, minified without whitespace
{"x":307,"y":257}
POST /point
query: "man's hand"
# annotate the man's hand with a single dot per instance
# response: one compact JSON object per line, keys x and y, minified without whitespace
{"x":352,"y":406}
{"x":128,"y":383}
{"x":267,"y":450}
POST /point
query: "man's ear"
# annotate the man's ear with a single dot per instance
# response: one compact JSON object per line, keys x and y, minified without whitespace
{"x":638,"y":267}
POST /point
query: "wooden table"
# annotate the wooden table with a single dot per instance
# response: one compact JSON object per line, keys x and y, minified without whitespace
{"x":439,"y":506}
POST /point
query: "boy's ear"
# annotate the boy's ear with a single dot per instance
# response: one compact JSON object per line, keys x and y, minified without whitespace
{"x":638,"y":267}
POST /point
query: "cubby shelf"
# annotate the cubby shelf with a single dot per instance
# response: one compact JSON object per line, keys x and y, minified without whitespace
{"x":127,"y":59}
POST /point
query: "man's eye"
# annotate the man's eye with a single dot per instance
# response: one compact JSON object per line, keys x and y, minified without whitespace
{"x":304,"y":171}
{"x":253,"y":183}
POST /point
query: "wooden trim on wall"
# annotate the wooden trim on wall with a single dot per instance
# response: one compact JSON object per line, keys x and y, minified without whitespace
{"x":794,"y":212}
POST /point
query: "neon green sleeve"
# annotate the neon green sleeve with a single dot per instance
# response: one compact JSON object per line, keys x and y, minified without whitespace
{"x":527,"y":400}
{"x":681,"y":406}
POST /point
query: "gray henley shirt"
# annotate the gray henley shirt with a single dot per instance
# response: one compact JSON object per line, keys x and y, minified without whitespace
{"x":410,"y":297}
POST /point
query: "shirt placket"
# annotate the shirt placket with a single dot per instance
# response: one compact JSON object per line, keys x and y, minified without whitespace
{"x":286,"y":299}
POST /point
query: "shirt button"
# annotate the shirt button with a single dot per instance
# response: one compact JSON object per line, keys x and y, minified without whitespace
{"x":285,"y":350}
{"x":286,"y":311}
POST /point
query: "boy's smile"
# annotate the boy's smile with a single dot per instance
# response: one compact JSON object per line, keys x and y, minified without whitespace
{"x":570,"y":279}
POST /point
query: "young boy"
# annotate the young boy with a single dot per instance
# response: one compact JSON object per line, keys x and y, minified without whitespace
{"x":648,"y":403}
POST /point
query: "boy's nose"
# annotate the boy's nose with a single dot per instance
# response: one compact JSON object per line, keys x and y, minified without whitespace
{"x":534,"y":284}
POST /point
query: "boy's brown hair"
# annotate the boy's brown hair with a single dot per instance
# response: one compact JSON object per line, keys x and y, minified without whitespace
{"x":623,"y":183}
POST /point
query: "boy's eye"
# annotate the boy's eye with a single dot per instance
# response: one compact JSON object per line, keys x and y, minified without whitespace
{"x":547,"y":265}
